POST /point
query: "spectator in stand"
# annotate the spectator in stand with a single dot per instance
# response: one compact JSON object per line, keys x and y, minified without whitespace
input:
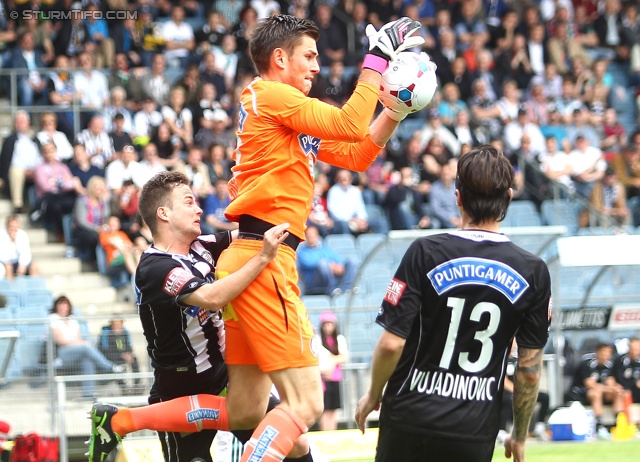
{"x":537,"y":105}
{"x":608,"y":196}
{"x":582,"y":127}
{"x":211,"y":33}
{"x":472,"y":53}
{"x":151,"y":35}
{"x":117,"y":105}
{"x":127,"y":206}
{"x":555,"y":127}
{"x":484,"y":112}
{"x":227,"y":59}
{"x":179,"y":39}
{"x":434,"y":157}
{"x":150,"y":162}
{"x":61,"y":94}
{"x":443,"y":199}
{"x":118,"y":136}
{"x":126,"y":167}
{"x":357,"y":24}
{"x":90,"y":214}
{"x":50,"y":134}
{"x":568,"y":102}
{"x":551,"y":82}
{"x":211,"y":74}
{"x":376,"y":179}
{"x":265,"y":8}
{"x":191,"y":83}
{"x":610,"y":30}
{"x":115,"y":344}
{"x":90,"y":85}
{"x":169,"y":148}
{"x":333,"y":355}
{"x":73,"y":350}
{"x":218,"y":162}
{"x":156,"y":84}
{"x":436,"y":129}
{"x":563,"y":48}
{"x":464,"y":132}
{"x":124,"y":77}
{"x":626,"y":372}
{"x":214,"y":207}
{"x":346,"y":205}
{"x":626,"y":163}
{"x":128,"y":43}
{"x":319,"y":213}
{"x":120,"y":252}
{"x":178,"y":117}
{"x":15,"y":250}
{"x":19,"y":157}
{"x":332,"y":42}
{"x":588,"y":166}
{"x":514,"y":131}
{"x":220,"y":132}
{"x":96,"y":141}
{"x":461,"y":76}
{"x":488,"y":75}
{"x":55,"y":190}
{"x":536,"y":51}
{"x":446,"y":58}
{"x":323,"y":270}
{"x":145,"y":122}
{"x":204,"y":107}
{"x":198,"y":174}
{"x":592,"y":387}
{"x":597,"y":104}
{"x":404,"y":203}
{"x":555,"y":163}
{"x":614,"y":135}
{"x":73,"y":38}
{"x":82,"y":169}
{"x":241,"y":31}
{"x":32,"y":87}
{"x":42,"y":33}
{"x":451,"y":103}
{"x":230,"y":11}
{"x":469,"y":23}
{"x":104,"y":48}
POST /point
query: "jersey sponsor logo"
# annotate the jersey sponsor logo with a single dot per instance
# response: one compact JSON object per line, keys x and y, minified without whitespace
{"x":175,"y":281}
{"x":242,"y":116}
{"x":394,"y":291}
{"x":455,"y":386}
{"x":479,"y":271}
{"x":314,"y":345}
{"x":263,"y":443}
{"x":309,"y":145}
{"x":202,"y":414}
{"x":196,"y":312}
{"x":193,"y":284}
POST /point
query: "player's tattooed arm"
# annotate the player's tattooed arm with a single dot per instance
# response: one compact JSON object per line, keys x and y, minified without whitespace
{"x":525,"y":393}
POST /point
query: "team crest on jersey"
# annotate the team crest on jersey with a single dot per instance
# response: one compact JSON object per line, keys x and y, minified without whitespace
{"x":478,"y":271}
{"x":175,"y":281}
{"x":242,"y":116}
{"x":394,"y":291}
{"x":309,"y":145}
{"x":314,"y":345}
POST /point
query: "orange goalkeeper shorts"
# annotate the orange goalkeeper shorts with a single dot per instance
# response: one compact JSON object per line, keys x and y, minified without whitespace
{"x":267,"y":324}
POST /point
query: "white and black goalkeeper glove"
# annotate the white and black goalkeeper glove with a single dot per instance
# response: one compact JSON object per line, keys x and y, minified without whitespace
{"x":393,"y":37}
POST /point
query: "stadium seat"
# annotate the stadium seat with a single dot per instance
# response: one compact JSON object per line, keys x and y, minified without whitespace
{"x":13,"y":299}
{"x":338,"y":242}
{"x":6,"y":314}
{"x":31,"y":312}
{"x":6,"y":285}
{"x":367,"y":242}
{"x":532,"y":219}
{"x":315,"y":302}
{"x":408,"y":127}
{"x":377,"y":285}
{"x":30,"y":282}
{"x":42,"y":297}
{"x":560,"y":212}
{"x":377,"y":218}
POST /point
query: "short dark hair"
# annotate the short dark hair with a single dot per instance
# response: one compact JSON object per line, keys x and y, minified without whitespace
{"x":278,"y":31}
{"x":59,"y":300}
{"x":484,"y":178}
{"x":157,"y":193}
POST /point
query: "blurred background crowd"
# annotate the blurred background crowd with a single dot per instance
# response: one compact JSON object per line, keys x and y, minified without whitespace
{"x":106,"y":93}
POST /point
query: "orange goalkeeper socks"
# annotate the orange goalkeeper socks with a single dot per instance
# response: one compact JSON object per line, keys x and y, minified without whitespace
{"x":183,"y":415}
{"x":274,"y":437}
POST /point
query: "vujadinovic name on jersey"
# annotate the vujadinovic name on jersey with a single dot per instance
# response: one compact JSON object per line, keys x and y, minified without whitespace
{"x":481,"y":271}
{"x":456,"y":386}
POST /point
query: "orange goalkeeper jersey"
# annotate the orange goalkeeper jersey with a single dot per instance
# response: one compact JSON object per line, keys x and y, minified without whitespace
{"x":281,"y":134}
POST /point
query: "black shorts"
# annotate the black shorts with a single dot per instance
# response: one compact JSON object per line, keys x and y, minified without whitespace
{"x":332,"y":396}
{"x":397,"y":445}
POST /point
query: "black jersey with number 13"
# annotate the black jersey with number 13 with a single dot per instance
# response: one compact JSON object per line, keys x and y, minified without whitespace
{"x":458,"y":299}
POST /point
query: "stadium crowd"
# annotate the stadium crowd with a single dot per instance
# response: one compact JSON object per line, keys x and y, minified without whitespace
{"x":157,"y":85}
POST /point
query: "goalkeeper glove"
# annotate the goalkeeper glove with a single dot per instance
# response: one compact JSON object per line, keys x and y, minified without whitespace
{"x":391,"y":39}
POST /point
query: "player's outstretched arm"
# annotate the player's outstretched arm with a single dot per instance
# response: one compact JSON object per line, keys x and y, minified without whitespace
{"x":525,"y":395}
{"x":215,"y":296}
{"x":385,"y":359}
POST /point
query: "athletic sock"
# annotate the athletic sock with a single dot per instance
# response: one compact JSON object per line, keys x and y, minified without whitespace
{"x":305,"y":458}
{"x":187,"y":414}
{"x":274,"y":437}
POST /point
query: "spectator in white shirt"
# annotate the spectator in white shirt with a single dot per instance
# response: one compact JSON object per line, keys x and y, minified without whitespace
{"x":265,"y":8}
{"x":15,"y":250}
{"x":96,"y":141}
{"x":49,"y":133}
{"x":155,"y":84}
{"x":588,"y":166}
{"x":435,"y":128}
{"x":145,"y":121}
{"x":151,"y":162}
{"x":179,"y":38}
{"x":227,"y":58}
{"x":91,"y":84}
{"x":556,"y":164}
{"x":125,"y":168}
{"x":118,"y":99}
{"x":178,"y":116}
{"x":346,"y":204}
{"x":514,"y":131}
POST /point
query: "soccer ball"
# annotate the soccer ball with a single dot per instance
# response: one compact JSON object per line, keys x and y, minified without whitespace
{"x":409,"y":82}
